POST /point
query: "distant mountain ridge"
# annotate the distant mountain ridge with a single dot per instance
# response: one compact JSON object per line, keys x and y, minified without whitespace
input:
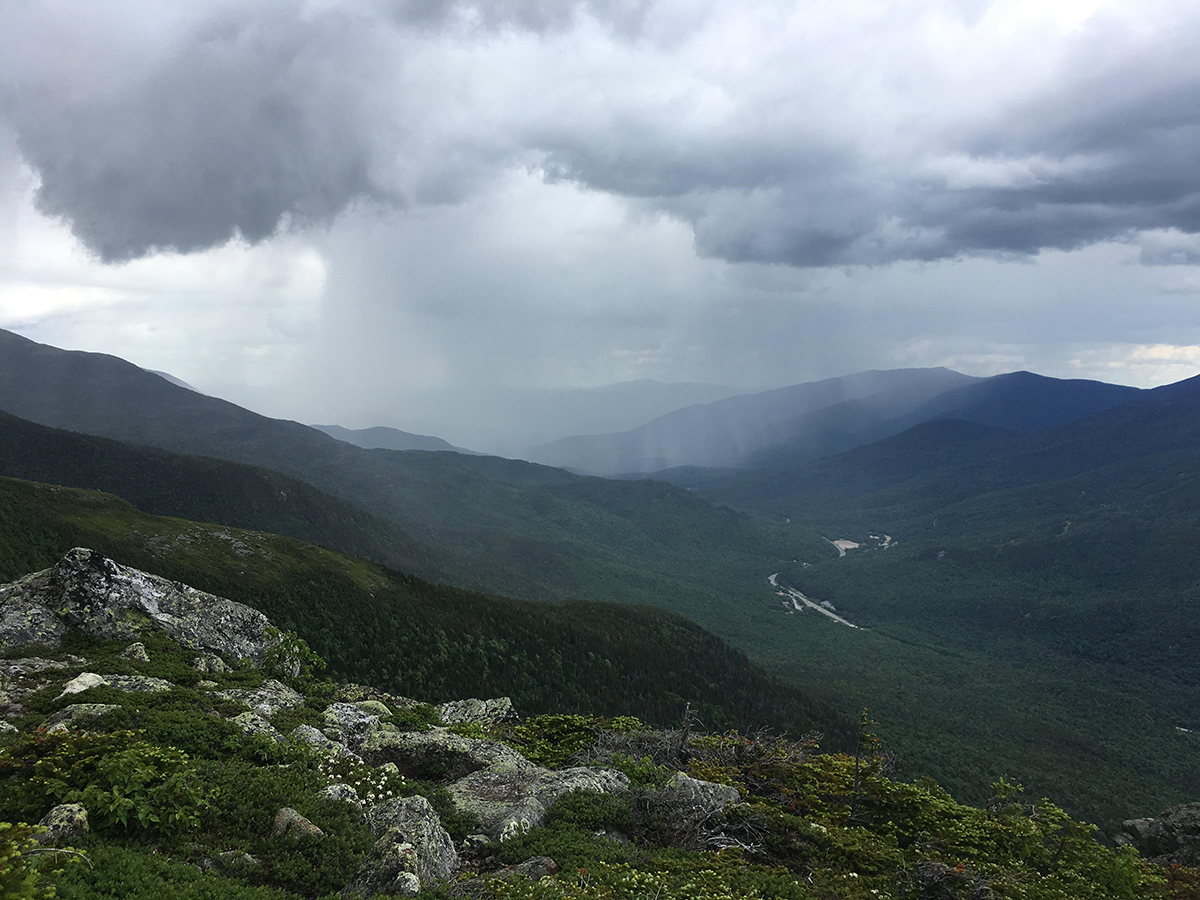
{"x":820,"y":418}
{"x":382,"y":437}
{"x":731,"y":431}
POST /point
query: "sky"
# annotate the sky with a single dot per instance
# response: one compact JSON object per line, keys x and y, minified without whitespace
{"x":395,"y":212}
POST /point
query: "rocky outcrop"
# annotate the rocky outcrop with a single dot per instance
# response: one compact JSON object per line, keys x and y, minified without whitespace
{"x":254,"y":724}
{"x":135,"y":652}
{"x":341,"y":793}
{"x":210,"y":664}
{"x":691,"y":798}
{"x":289,"y":823}
{"x":66,"y":826}
{"x":1172,"y":837}
{"x":356,"y":693}
{"x":78,"y":715}
{"x":412,"y":851}
{"x":488,"y":713}
{"x":267,"y":699}
{"x":510,"y":801}
{"x":88,"y":680}
{"x":438,"y":754}
{"x":348,"y":724}
{"x":318,"y":741}
{"x":89,"y":593}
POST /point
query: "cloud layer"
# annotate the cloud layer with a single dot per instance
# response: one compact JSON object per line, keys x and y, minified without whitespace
{"x":810,"y":134}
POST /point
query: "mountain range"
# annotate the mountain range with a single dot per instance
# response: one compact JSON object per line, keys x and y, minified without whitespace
{"x":806,"y":421}
{"x":1023,"y":581}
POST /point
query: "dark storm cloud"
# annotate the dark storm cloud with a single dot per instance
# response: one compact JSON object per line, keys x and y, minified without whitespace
{"x":244,"y":122}
{"x":253,"y":116}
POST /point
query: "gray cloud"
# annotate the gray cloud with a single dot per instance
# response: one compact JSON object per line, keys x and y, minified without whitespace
{"x":248,"y":118}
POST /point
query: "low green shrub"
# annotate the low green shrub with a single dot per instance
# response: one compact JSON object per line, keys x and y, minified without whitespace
{"x":642,"y":772}
{"x":420,"y":718}
{"x":589,"y":811}
{"x":120,"y":778}
{"x":552,"y":740}
{"x":118,"y":872}
{"x":20,"y":877}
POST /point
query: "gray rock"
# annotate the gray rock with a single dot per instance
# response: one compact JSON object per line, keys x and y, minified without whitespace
{"x":535,"y":868}
{"x":439,"y":754}
{"x":488,"y":713}
{"x":355,"y":693}
{"x":237,"y":861}
{"x":318,"y":741}
{"x":135,"y":652}
{"x":252,"y":723}
{"x":349,"y":725}
{"x":23,"y":668}
{"x":413,"y":850}
{"x":511,"y":802}
{"x":695,"y":798}
{"x":206,"y":685}
{"x":88,"y":680}
{"x":67,"y":825}
{"x":210,"y":664}
{"x":77,"y":714}
{"x":342,"y":793}
{"x":1172,"y":837}
{"x":83,"y":682}
{"x":143,"y":683}
{"x":289,"y":823}
{"x":374,"y":708}
{"x":6,"y":728}
{"x":267,"y":699}
{"x":89,"y":593}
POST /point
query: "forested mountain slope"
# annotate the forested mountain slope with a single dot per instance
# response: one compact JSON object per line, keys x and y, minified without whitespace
{"x":409,"y":636}
{"x":510,"y":527}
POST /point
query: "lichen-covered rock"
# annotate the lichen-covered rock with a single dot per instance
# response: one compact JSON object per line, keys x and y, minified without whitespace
{"x":6,"y":728}
{"x":67,"y":826}
{"x":695,"y":798}
{"x":355,"y":693}
{"x":318,"y":741}
{"x":374,"y":708}
{"x":342,"y":793}
{"x":84,"y":681}
{"x":1172,"y":837}
{"x":77,"y":714}
{"x":488,"y":713}
{"x":135,"y":652}
{"x":143,"y":683}
{"x":513,"y":801}
{"x":411,"y":843}
{"x":235,"y":861}
{"x":439,"y":754}
{"x":349,"y":725}
{"x":33,"y":665}
{"x":252,"y":723}
{"x":289,"y":823}
{"x":267,"y":699}
{"x":210,"y":664}
{"x":89,"y":593}
{"x":88,"y":680}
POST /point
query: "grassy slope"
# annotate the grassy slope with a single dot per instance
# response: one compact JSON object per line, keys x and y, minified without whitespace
{"x":414,"y":637}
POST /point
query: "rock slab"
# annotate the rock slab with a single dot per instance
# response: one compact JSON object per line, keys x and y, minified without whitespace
{"x":413,"y":850}
{"x":89,"y":593}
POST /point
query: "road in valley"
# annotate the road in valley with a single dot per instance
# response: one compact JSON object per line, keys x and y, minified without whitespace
{"x":798,"y":598}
